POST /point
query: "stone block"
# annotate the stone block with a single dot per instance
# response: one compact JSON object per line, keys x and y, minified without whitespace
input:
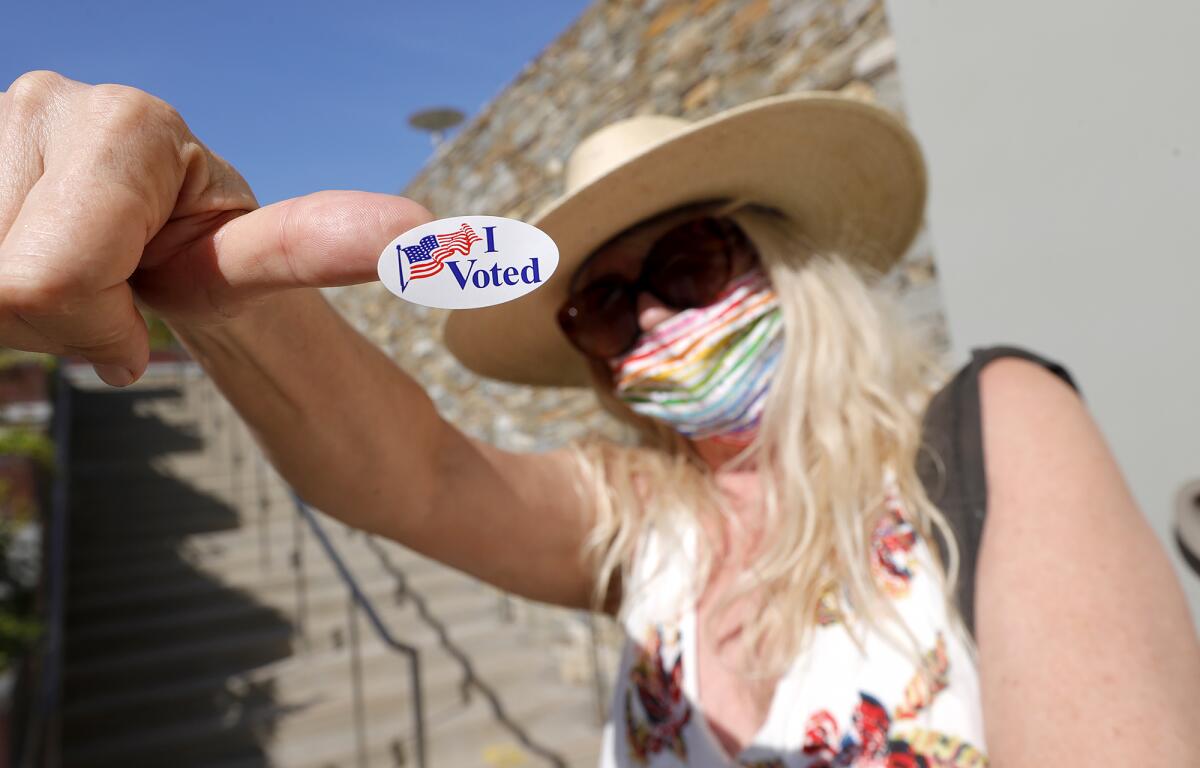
{"x":750,"y":14}
{"x":875,"y":57}
{"x":665,"y":19}
{"x":700,"y":94}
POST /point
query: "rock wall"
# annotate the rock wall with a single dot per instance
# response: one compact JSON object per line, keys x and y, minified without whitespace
{"x":621,"y":58}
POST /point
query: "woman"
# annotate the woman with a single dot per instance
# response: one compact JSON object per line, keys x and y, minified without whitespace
{"x":769,"y":543}
{"x":776,"y":512}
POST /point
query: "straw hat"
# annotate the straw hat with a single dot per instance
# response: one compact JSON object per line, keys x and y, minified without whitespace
{"x":846,"y":171}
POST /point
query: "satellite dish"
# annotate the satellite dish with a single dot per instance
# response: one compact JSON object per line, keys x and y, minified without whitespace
{"x":436,"y":121}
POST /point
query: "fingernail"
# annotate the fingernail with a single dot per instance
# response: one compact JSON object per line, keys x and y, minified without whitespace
{"x":114,"y":375}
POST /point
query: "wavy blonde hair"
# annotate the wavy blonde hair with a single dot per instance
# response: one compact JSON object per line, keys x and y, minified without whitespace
{"x":847,"y":403}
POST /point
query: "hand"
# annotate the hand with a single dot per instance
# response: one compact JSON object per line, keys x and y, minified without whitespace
{"x":105,"y":193}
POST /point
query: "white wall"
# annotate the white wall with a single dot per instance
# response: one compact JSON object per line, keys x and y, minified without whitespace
{"x":1063,"y":141}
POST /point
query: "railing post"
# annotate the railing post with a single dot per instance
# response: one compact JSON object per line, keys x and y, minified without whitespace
{"x":297,"y":563}
{"x":215,"y":410}
{"x":414,"y":671}
{"x":206,"y":406}
{"x":236,"y":460}
{"x":360,"y":712}
{"x":264,"y":544}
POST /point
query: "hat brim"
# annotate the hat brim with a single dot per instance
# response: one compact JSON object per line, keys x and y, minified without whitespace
{"x":847,"y":172}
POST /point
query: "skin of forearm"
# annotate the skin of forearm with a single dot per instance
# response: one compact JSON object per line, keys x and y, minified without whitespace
{"x":337,"y":418}
{"x":360,"y":440}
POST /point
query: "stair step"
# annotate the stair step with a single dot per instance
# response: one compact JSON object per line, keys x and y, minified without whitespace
{"x":277,"y":587}
{"x":134,"y":635}
{"x":455,"y":736}
{"x":234,"y":563}
{"x":299,"y":669}
{"x":97,"y":488}
{"x":298,"y":679}
{"x":272,"y":637}
{"x":470,"y":735}
{"x":231,"y":544}
{"x":227,"y":654}
{"x":320,"y":710}
{"x":179,"y":510}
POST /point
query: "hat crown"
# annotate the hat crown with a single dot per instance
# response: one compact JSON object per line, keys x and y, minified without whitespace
{"x":614,"y":144}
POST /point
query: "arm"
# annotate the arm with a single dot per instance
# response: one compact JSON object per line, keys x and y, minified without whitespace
{"x":360,"y":440}
{"x":1087,"y":652}
{"x":104,"y":192}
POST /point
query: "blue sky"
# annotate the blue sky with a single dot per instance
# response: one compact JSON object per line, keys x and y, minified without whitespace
{"x":299,"y":96}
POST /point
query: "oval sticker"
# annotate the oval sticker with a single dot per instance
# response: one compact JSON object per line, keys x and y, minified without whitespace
{"x":468,"y":261}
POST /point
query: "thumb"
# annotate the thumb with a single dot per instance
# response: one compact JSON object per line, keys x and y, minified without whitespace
{"x":319,"y":240}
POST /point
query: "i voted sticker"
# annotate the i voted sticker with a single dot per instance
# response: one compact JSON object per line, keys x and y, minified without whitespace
{"x":468,"y":261}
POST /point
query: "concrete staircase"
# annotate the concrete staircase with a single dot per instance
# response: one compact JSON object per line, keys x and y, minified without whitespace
{"x":206,"y":626}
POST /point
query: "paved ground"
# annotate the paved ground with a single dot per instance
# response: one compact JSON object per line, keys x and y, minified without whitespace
{"x":206,"y":626}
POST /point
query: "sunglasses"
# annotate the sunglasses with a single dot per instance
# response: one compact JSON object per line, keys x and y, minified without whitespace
{"x":687,"y":267}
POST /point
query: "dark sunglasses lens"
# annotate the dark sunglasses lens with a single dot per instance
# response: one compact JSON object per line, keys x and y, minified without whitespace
{"x":601,"y":319}
{"x":690,"y":265}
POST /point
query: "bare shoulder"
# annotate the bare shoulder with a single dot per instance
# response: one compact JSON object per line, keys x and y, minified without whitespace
{"x":1031,"y":416}
{"x":1081,"y":625}
{"x":1052,"y":480}
{"x":1040,"y":440}
{"x":1011,"y":385}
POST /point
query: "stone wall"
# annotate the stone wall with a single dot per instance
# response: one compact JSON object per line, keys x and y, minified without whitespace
{"x":621,"y":58}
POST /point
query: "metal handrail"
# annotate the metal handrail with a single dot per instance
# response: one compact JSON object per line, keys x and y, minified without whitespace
{"x":471,"y":680}
{"x":306,"y":517}
{"x":41,"y":743}
{"x":360,"y":599}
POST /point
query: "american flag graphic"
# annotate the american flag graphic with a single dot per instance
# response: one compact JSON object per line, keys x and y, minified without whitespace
{"x":426,"y":257}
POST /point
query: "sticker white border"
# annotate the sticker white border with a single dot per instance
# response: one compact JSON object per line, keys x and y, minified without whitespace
{"x":466,"y":262}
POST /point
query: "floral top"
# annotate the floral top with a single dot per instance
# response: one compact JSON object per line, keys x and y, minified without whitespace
{"x":835,"y":706}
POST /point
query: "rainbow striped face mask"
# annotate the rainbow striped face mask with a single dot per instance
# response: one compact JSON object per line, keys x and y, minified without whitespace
{"x":706,"y":371}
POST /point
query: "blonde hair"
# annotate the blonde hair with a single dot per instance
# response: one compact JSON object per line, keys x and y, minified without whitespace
{"x":846,"y":404}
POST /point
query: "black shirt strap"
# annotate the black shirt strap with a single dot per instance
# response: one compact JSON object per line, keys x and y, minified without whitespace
{"x":951,"y":463}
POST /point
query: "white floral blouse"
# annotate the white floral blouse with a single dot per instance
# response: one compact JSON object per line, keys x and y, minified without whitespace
{"x":835,"y":706}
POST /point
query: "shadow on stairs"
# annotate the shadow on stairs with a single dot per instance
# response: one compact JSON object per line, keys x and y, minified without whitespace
{"x":205,"y":627}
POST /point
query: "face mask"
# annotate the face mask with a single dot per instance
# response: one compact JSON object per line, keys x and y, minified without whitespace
{"x":706,"y":371}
